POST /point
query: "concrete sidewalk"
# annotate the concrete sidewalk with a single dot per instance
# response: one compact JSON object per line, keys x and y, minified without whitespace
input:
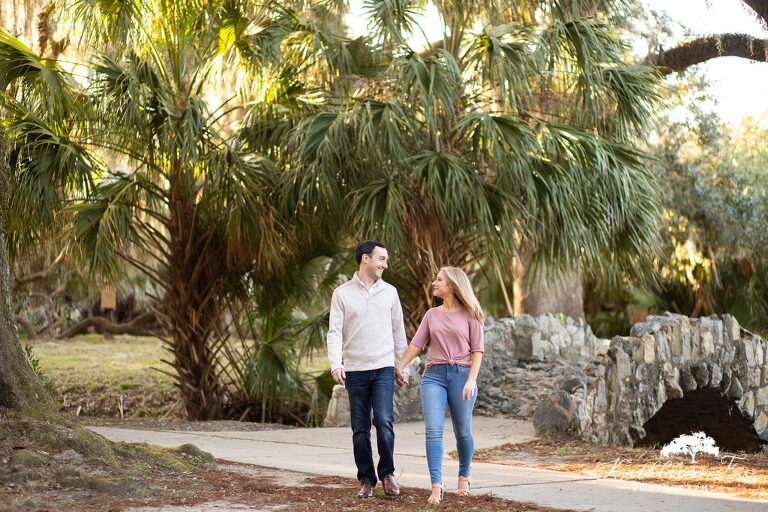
{"x":328,"y":451}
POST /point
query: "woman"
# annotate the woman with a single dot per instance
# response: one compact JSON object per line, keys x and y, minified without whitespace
{"x":455,"y":330}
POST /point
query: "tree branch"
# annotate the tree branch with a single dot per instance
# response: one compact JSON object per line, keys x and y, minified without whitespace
{"x":112,"y":328}
{"x":18,"y":282}
{"x":761,"y":9}
{"x":31,"y":334}
{"x":710,"y":47}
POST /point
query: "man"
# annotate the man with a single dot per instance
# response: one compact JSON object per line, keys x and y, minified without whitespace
{"x":365,"y":334}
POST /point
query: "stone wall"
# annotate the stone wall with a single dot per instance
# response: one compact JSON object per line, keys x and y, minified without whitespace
{"x":524,"y":357}
{"x":556,"y":371}
{"x":666,"y":358}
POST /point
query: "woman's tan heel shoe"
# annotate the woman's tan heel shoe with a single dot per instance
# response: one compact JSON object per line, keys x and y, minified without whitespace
{"x":463,"y":490}
{"x":439,"y":498}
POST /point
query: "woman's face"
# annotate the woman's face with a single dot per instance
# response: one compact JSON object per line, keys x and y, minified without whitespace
{"x":440,"y":287}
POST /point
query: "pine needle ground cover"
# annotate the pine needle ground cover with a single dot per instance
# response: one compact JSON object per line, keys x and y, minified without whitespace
{"x":741,"y":474}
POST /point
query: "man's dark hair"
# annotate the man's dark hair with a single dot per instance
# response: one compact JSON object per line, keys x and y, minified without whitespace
{"x":366,"y":247}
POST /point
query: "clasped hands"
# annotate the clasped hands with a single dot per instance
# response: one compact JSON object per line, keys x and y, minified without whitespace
{"x":401,"y":377}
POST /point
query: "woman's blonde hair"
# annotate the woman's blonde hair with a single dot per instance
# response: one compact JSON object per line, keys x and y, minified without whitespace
{"x":462,"y":289}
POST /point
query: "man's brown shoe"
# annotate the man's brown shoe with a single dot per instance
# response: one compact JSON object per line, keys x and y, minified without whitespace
{"x":390,"y":486}
{"x":366,"y":491}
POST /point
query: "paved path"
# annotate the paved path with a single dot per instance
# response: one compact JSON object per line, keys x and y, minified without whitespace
{"x":328,"y":451}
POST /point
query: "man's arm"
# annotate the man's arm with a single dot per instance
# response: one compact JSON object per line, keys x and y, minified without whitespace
{"x":334,"y":339}
{"x":398,"y":331}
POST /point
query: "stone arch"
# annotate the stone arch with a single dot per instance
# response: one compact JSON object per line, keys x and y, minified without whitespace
{"x":707,"y":410}
{"x":708,"y":361}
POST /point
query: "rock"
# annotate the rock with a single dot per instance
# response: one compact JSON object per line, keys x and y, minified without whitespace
{"x":623,"y":363}
{"x":731,"y":330}
{"x":761,"y":397}
{"x":700,"y":373}
{"x":337,"y":414}
{"x":407,"y":400}
{"x":747,"y":404}
{"x":662,"y":346}
{"x":707,"y":344}
{"x":735,"y":391}
{"x":555,"y":412}
{"x":25,"y":459}
{"x":69,"y":455}
{"x":571,"y":382}
{"x":761,"y":423}
{"x":749,"y":352}
{"x":717,"y":332}
{"x":687,"y":380}
{"x":715,"y":374}
{"x":646,"y":350}
{"x":672,"y":387}
{"x":194,"y":451}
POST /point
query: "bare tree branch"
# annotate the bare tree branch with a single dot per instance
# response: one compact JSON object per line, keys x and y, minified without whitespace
{"x":18,"y":282}
{"x":112,"y":328}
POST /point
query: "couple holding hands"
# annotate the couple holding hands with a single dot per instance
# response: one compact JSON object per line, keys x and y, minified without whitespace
{"x":366,"y":336}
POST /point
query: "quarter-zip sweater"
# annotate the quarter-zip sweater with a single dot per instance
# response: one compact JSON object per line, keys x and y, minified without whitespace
{"x":366,"y":330}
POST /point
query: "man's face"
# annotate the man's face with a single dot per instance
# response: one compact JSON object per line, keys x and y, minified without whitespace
{"x":375,"y":264}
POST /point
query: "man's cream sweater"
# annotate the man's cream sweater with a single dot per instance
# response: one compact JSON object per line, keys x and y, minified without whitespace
{"x":366,"y":329}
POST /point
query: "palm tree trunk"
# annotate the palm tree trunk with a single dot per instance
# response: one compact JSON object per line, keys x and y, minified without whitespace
{"x":192,"y":307}
{"x":20,"y":388}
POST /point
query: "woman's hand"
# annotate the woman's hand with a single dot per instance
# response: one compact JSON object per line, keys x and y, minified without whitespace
{"x":469,"y":389}
{"x":401,"y":378}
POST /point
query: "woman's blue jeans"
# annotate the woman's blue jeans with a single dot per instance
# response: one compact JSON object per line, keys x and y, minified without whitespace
{"x":441,"y":384}
{"x":372,"y":391}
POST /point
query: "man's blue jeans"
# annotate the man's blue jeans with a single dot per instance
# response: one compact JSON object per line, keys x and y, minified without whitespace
{"x":372,"y":391}
{"x":444,"y":383}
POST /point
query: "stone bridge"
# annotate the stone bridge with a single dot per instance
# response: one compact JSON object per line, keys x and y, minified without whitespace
{"x":672,"y":375}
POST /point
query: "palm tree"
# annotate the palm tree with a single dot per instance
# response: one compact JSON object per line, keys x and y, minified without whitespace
{"x":514,"y":135}
{"x":185,"y":102}
{"x":40,"y":162}
{"x":197,"y":207}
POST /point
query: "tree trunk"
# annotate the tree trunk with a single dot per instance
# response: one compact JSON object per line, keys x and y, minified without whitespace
{"x":536,"y":298}
{"x":20,"y":388}
{"x":192,"y":305}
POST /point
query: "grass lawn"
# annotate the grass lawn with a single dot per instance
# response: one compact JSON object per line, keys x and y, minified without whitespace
{"x":100,"y":377}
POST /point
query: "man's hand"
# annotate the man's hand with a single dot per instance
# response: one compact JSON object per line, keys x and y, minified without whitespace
{"x":339,"y":375}
{"x":401,"y":378}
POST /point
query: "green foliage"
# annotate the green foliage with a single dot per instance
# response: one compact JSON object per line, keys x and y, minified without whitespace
{"x":519,"y":139}
{"x":247,"y":139}
{"x":715,"y":224}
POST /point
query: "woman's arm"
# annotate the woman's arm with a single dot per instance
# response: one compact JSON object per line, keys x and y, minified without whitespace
{"x":411,"y":352}
{"x":474,"y":369}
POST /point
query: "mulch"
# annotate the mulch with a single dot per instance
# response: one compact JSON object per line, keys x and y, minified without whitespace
{"x":740,"y":474}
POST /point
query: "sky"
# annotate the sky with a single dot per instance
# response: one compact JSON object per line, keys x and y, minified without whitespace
{"x":739,"y":85}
